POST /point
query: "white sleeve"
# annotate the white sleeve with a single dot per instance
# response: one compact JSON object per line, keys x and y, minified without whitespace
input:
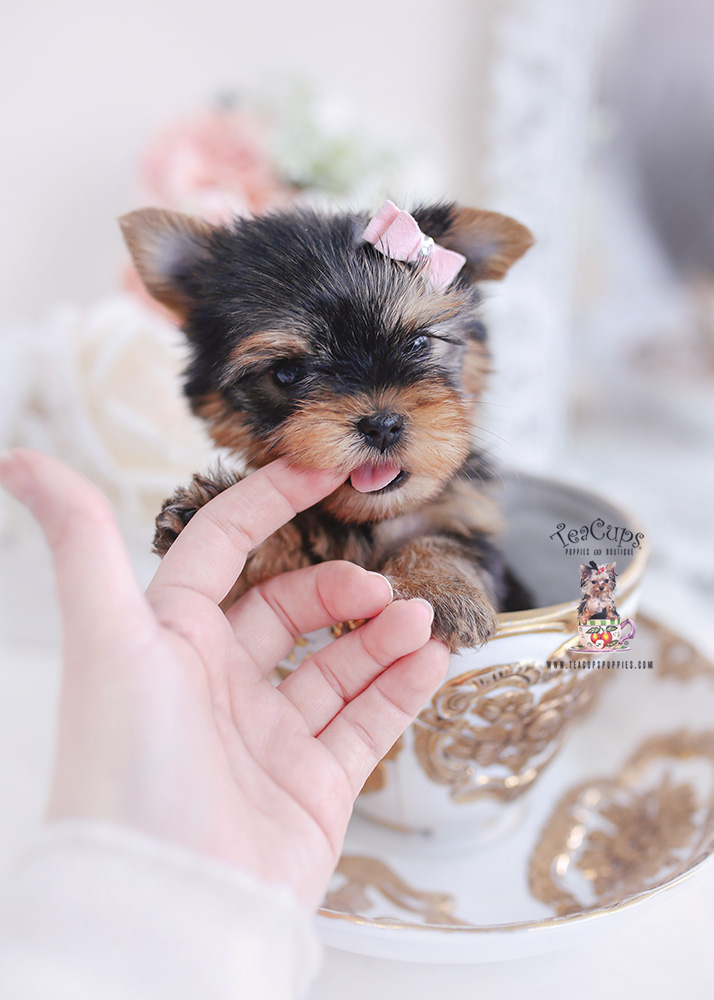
{"x":97,"y":912}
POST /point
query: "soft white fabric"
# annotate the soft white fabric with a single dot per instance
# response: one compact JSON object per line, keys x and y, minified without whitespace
{"x":97,"y":912}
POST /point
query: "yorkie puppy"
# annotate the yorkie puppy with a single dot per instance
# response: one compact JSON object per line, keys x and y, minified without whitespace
{"x":346,"y":343}
{"x":597,"y":584}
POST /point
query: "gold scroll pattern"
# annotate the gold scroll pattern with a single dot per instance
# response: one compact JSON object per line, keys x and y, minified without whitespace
{"x":362,"y":880}
{"x":611,"y":838}
{"x":491,"y":732}
{"x":677,"y":658}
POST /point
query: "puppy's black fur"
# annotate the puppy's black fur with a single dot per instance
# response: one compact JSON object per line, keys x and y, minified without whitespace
{"x":310,"y":343}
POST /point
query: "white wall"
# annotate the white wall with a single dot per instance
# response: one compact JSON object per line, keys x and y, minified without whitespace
{"x":83,"y":85}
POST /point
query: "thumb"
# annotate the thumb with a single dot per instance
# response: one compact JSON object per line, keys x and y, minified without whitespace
{"x":96,"y":586}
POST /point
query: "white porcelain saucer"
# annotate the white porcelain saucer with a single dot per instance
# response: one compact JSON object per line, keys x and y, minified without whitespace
{"x":624,"y":815}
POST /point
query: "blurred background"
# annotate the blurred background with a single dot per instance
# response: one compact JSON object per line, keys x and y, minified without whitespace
{"x":591,"y":123}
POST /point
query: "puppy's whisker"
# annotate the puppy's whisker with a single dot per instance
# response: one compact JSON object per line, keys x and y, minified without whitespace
{"x":490,"y":402}
{"x":479,"y":431}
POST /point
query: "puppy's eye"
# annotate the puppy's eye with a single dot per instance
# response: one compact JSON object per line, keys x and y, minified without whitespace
{"x":287,"y":373}
{"x":419,"y":345}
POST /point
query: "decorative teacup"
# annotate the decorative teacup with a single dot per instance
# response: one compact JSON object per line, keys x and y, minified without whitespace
{"x":472,"y":756}
{"x":603,"y":633}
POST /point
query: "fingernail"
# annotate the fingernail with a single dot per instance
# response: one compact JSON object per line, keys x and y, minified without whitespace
{"x":388,"y":582}
{"x":13,"y":476}
{"x":426,"y":605}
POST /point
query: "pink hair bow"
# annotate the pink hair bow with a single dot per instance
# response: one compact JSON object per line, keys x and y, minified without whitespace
{"x":397,"y":234}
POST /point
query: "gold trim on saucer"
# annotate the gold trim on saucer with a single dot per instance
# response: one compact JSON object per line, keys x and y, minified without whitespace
{"x":623,"y":839}
{"x":362,"y":877}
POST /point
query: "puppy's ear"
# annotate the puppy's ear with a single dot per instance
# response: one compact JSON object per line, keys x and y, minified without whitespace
{"x":167,"y":249}
{"x":584,"y":574}
{"x":490,"y":242}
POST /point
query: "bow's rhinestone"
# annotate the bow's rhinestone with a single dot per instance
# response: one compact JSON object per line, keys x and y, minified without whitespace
{"x":427,"y":246}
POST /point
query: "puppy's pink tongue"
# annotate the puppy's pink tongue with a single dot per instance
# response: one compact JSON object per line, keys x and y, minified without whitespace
{"x":367,"y":478}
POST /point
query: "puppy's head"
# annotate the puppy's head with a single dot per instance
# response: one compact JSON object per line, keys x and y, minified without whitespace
{"x":598,"y":581}
{"x":310,"y":343}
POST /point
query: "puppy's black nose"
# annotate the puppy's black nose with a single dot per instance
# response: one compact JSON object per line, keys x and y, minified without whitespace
{"x":382,"y":429}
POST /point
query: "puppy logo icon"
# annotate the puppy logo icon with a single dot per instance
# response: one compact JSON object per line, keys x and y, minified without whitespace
{"x":599,"y":623}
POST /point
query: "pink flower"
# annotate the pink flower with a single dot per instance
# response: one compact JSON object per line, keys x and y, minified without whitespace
{"x":215,"y":164}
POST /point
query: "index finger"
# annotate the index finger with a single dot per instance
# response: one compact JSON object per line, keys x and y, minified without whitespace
{"x":209,"y":554}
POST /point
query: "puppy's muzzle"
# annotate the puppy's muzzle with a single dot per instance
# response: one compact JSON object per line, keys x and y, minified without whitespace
{"x":381,"y":430}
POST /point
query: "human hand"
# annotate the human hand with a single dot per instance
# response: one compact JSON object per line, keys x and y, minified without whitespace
{"x":167,"y":720}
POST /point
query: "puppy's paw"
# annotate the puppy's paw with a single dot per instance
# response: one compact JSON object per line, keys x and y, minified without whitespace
{"x":180,"y":507}
{"x":463,"y":617}
{"x":463,"y":621}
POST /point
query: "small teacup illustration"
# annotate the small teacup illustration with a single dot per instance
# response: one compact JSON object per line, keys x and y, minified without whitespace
{"x":602,"y":633}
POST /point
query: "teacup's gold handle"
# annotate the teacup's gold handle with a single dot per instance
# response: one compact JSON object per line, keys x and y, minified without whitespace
{"x":626,"y":638}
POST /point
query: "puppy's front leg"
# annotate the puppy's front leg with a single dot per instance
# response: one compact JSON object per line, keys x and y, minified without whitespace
{"x":281,"y":552}
{"x":180,"y":507}
{"x":444,"y":571}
